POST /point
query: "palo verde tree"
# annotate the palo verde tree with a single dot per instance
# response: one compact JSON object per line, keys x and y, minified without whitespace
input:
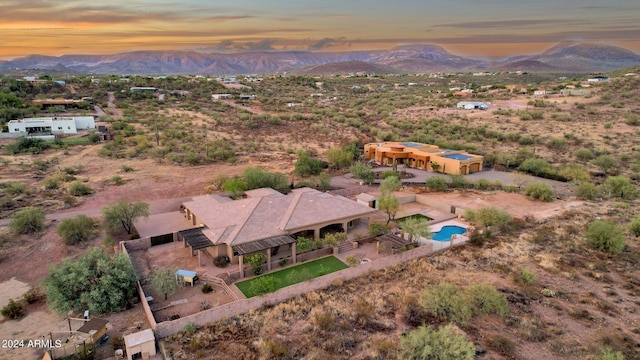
{"x":123,"y":214}
{"x":388,"y":203}
{"x":163,"y":280}
{"x":94,"y":281}
{"x":416,"y":228}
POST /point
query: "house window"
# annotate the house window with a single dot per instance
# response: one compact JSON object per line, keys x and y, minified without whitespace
{"x":69,"y":127}
{"x":59,"y":127}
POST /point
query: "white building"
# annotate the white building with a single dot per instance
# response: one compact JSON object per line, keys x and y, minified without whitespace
{"x":471,"y":105}
{"x":599,"y":79}
{"x":221,"y":96}
{"x":51,"y":125}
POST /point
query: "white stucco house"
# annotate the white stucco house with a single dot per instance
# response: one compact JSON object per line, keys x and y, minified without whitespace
{"x":51,"y":125}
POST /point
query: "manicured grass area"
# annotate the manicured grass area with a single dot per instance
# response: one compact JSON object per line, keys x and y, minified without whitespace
{"x":289,"y":276}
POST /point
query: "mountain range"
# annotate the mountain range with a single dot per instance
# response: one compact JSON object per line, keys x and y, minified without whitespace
{"x":563,"y":57}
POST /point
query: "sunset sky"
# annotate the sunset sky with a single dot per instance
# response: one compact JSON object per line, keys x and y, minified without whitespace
{"x":488,"y":28}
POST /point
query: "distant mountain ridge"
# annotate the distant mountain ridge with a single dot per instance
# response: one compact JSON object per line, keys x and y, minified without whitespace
{"x":577,"y":57}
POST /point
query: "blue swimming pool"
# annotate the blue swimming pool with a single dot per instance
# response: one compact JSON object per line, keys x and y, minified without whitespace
{"x":445,"y":233}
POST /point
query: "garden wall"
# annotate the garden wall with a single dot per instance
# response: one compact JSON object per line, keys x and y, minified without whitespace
{"x":168,"y":328}
{"x":442,"y":206}
{"x":125,"y":246}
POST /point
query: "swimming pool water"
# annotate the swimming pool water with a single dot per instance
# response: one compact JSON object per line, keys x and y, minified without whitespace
{"x":445,"y":233}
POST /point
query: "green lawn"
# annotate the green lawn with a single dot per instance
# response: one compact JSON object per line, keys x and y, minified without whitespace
{"x":289,"y":276}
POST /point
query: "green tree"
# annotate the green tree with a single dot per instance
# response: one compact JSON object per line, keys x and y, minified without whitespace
{"x":390,"y":185}
{"x":437,"y":183}
{"x":123,"y":214}
{"x":27,"y":220}
{"x":303,"y":244}
{"x":338,"y":157}
{"x":426,"y":343}
{"x":489,"y":216}
{"x":255,"y":260}
{"x":93,"y":281}
{"x":539,"y":191}
{"x":575,"y":172}
{"x":435,"y":166}
{"x":163,"y":280}
{"x":416,"y":228}
{"x":389,"y":205}
{"x":324,"y":180}
{"x":362,"y":171}
{"x":605,"y":236}
{"x":619,"y":187}
{"x":77,"y":230}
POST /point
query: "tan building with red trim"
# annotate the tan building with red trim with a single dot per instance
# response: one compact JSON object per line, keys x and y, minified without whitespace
{"x":423,"y":156}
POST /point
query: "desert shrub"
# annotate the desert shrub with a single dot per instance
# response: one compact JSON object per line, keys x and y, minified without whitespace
{"x":13,"y":310}
{"x":556,"y":143}
{"x":379,"y":229}
{"x":27,"y":220}
{"x":608,"y":354}
{"x":189,"y":328}
{"x":77,"y":188}
{"x":583,"y":154}
{"x":77,"y":230}
{"x":338,"y":157}
{"x":501,"y":345}
{"x":587,"y":191}
{"x":634,"y":226}
{"x":633,"y":120}
{"x":387,"y":173}
{"x":605,"y":236}
{"x":447,"y":302}
{"x":489,"y":216}
{"x":362,"y":171}
{"x":575,"y":172}
{"x":27,"y":145}
{"x":437,"y":183}
{"x":126,"y":169}
{"x":14,"y":187}
{"x":527,"y":276}
{"x":352,"y":260}
{"x":427,"y":343}
{"x":256,"y":178}
{"x":482,"y":184}
{"x":619,"y":187}
{"x":33,"y":295}
{"x":206,"y":288}
{"x":272,"y":349}
{"x":486,"y":300}
{"x":457,"y":181}
{"x":307,"y":165}
{"x":539,"y":191}
{"x":536,"y":167}
{"x":116,"y":180}
{"x":51,"y":183}
{"x":606,"y":163}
